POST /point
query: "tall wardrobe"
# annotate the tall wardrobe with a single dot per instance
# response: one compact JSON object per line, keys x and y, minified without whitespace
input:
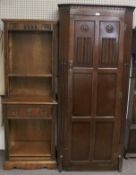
{"x":94,"y":60}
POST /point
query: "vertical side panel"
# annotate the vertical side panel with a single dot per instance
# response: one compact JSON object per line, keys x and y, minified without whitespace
{"x":62,"y":87}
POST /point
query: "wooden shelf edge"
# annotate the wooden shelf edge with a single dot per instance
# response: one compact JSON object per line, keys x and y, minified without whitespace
{"x":29,"y":118}
{"x":31,"y":75}
{"x":16,"y":158}
{"x":8,"y":165}
{"x":30,"y":155}
{"x":31,"y":102}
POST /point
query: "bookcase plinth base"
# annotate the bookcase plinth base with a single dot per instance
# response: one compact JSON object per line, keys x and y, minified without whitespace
{"x":29,"y":165}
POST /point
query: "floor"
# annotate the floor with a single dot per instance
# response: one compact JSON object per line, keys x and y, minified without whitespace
{"x":129,"y":168}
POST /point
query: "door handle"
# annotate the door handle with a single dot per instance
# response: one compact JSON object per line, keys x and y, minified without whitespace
{"x":70,"y":64}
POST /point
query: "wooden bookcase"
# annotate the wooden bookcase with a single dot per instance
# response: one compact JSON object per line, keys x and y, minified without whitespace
{"x":29,"y":106}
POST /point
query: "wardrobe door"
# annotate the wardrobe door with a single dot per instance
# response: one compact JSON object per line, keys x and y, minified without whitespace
{"x":95,"y":90}
{"x":81,"y":67}
{"x":108,"y":94}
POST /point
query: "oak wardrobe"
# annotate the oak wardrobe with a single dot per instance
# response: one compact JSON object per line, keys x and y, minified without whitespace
{"x":94,"y":59}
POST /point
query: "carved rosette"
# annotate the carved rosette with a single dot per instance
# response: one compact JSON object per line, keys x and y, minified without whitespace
{"x":109,"y":28}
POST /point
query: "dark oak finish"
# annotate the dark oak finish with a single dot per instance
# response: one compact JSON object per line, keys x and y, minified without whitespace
{"x":29,"y":106}
{"x":93,"y":83}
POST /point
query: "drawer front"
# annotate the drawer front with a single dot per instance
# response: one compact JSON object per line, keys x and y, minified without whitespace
{"x":45,"y":111}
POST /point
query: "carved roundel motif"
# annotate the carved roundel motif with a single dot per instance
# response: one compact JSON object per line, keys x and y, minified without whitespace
{"x":109,"y":28}
{"x":84,"y":28}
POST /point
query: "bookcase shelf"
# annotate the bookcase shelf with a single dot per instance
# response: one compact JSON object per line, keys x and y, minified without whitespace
{"x":30,"y":75}
{"x":30,"y":52}
{"x":30,"y":86}
{"x":30,"y":148}
{"x":30,"y":100}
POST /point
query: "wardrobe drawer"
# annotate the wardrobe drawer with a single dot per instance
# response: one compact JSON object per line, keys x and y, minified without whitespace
{"x":45,"y":111}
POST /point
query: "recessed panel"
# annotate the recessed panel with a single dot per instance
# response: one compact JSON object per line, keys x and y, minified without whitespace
{"x":80,"y":141}
{"x":84,"y":43}
{"x":106,"y":94}
{"x":82,"y":92}
{"x":103,"y":140}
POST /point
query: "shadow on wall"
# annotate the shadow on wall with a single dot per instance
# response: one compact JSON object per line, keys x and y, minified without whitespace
{"x":1,"y":63}
{"x":2,"y":88}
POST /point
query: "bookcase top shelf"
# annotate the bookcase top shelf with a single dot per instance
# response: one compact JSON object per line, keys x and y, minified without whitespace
{"x":30,"y":75}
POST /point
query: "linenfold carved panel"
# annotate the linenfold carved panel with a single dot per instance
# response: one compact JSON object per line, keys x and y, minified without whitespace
{"x":84,"y":39}
{"x":109,"y":52}
{"x":84,"y":51}
{"x":109,"y":43}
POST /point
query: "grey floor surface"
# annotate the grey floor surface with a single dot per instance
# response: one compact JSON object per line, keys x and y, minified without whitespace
{"x":129,"y":168}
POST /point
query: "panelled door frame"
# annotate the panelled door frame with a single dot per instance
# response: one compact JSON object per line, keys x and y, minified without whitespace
{"x":94,"y":71}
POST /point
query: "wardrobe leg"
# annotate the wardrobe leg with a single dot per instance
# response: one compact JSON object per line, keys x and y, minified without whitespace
{"x":120,"y":163}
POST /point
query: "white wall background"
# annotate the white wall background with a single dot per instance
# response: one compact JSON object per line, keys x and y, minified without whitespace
{"x":39,"y":9}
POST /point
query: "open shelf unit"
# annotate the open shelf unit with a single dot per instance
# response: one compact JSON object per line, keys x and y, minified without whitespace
{"x":30,"y":137}
{"x":29,"y":105}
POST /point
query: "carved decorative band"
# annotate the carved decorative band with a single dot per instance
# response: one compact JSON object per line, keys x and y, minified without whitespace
{"x":14,"y":26}
{"x":47,"y":27}
{"x":30,"y":27}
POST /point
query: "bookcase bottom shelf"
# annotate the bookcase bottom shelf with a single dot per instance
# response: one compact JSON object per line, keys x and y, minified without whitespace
{"x":30,"y":164}
{"x":30,"y":155}
{"x":30,"y":149}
